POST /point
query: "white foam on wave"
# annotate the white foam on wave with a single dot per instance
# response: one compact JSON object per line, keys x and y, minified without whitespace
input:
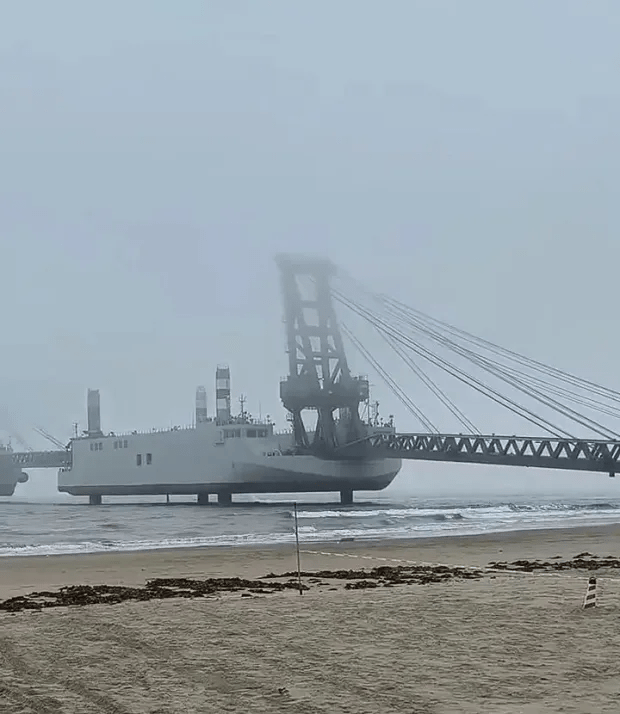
{"x":308,"y":535}
{"x":486,"y":512}
{"x":188,"y":529}
{"x":383,"y":512}
{"x":164,"y":543}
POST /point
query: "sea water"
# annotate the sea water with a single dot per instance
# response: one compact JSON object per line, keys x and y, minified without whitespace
{"x":64,"y":525}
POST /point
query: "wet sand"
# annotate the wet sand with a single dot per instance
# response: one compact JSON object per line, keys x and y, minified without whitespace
{"x":503,"y":643}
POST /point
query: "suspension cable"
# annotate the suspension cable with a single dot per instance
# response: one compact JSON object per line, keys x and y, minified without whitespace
{"x":441,"y":395}
{"x":497,"y":349}
{"x":500,"y":371}
{"x":391,"y":383}
{"x":554,"y":372}
{"x":453,"y":370}
{"x":535,"y":383}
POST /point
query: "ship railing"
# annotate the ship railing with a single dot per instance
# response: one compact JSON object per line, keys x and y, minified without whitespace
{"x":248,"y":421}
{"x":165,"y":430}
{"x":140,"y":432}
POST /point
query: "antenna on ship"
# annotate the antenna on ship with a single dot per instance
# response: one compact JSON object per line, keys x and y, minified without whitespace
{"x":242,"y":401}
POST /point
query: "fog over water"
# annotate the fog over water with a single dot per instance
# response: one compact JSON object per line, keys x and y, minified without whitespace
{"x":155,"y":156}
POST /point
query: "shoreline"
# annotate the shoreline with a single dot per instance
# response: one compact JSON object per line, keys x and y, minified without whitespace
{"x":494,"y":642}
{"x":353,"y":543}
{"x":22,"y":574}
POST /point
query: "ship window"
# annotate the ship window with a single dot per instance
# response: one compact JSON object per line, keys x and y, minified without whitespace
{"x":138,"y":459}
{"x":232,"y":433}
{"x":125,"y":444}
{"x":100,"y":446}
{"x":252,"y":433}
{"x":116,"y":444}
{"x":91,"y":446}
{"x":149,"y":459}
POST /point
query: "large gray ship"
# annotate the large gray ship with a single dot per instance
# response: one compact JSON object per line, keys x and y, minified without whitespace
{"x":219,"y":455}
{"x":222,"y":454}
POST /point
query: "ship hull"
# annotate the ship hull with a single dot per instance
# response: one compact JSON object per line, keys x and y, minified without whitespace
{"x":365,"y":476}
{"x":10,"y":476}
{"x":7,"y":487}
{"x":200,"y":461}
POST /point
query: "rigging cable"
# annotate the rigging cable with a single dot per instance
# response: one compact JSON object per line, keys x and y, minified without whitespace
{"x":501,"y":371}
{"x":557,"y":389}
{"x":554,"y":372}
{"x":511,"y":354}
{"x":455,"y":371}
{"x":393,"y":386}
{"x":439,"y":393}
{"x":523,"y":381}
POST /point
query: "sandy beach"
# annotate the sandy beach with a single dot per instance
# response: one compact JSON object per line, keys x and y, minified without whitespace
{"x":500,"y":643}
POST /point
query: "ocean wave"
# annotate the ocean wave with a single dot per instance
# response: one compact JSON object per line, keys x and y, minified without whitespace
{"x":103,"y":546}
{"x":543,"y":507}
{"x":47,"y":531}
{"x":309,"y":535}
{"x":378,"y":513}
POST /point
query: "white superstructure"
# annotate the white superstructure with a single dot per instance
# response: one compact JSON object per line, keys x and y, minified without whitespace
{"x":239,"y":456}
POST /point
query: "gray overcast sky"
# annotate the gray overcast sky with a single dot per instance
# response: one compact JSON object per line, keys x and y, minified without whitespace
{"x":155,"y":155}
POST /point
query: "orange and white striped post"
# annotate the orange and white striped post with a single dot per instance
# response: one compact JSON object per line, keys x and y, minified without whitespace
{"x":590,"y":598}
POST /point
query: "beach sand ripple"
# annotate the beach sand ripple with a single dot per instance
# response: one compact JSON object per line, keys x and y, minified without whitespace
{"x":503,"y":643}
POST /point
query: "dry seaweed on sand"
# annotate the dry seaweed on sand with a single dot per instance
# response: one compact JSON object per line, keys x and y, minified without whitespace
{"x":392,"y":575}
{"x":157,"y":589}
{"x":582,"y":561}
{"x":166,"y":588}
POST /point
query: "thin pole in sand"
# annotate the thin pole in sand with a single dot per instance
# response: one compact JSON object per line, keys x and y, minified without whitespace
{"x":301,"y":592}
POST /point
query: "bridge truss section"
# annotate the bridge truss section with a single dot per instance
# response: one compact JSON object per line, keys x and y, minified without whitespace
{"x":543,"y":452}
{"x":39,"y":459}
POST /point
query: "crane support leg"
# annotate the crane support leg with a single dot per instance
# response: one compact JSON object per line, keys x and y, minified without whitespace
{"x":346,"y":497}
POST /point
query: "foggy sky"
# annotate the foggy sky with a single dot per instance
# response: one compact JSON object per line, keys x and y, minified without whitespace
{"x":155,"y":156}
